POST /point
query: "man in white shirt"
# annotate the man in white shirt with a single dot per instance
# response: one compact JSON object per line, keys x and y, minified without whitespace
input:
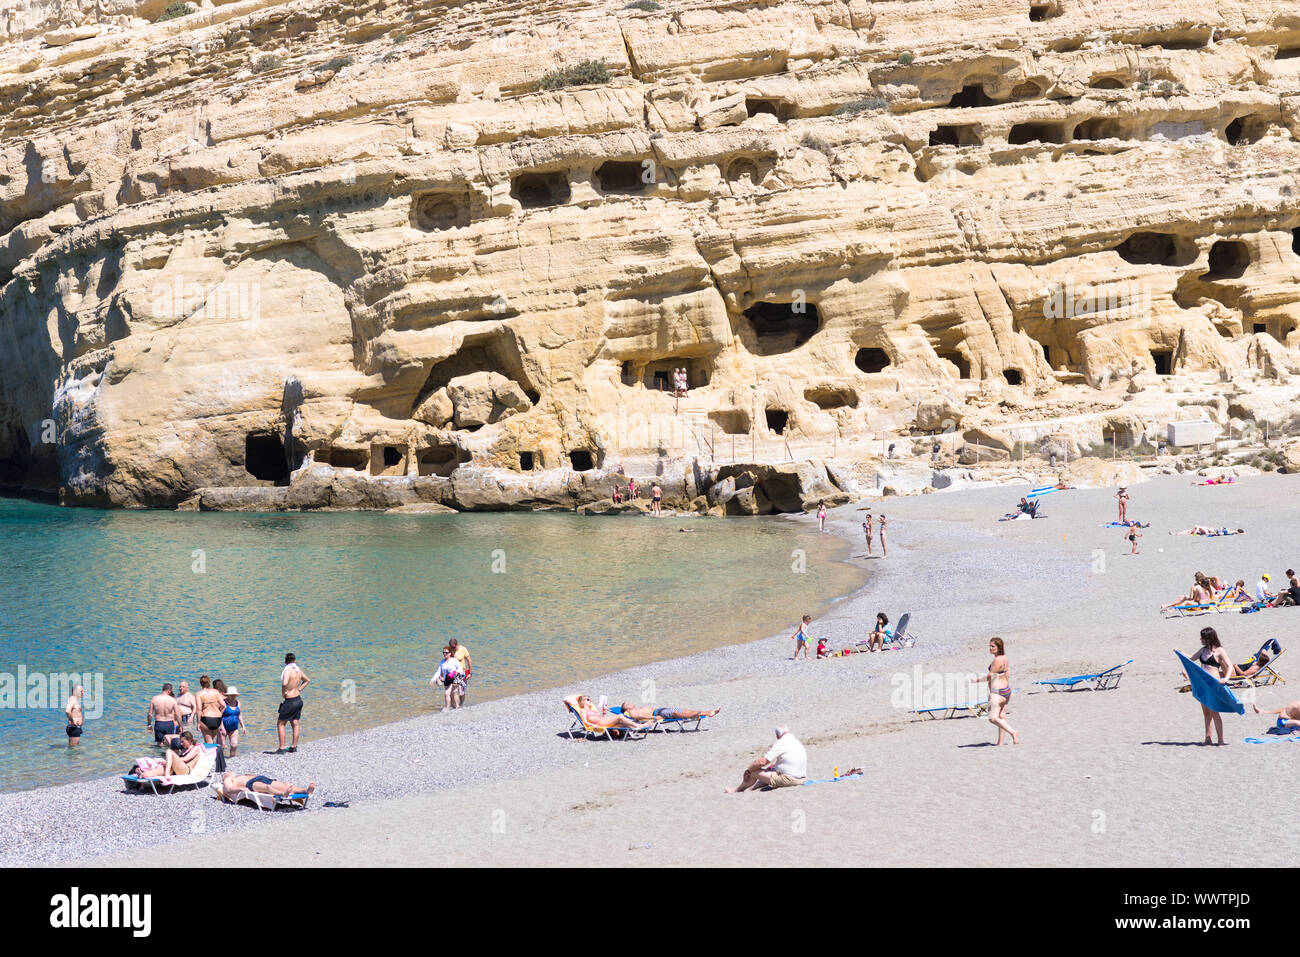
{"x":1261,"y":590}
{"x":785,"y":765}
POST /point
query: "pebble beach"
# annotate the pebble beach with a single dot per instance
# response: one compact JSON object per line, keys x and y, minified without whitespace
{"x":1101,"y":778}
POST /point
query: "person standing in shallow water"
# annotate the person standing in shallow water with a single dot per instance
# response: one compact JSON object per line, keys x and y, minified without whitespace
{"x":76,"y":719}
{"x":821,"y":516}
{"x":292,"y":680}
{"x":656,"y":496}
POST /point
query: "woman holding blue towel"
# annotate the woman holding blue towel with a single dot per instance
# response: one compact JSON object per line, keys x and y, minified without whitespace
{"x":1215,"y":661}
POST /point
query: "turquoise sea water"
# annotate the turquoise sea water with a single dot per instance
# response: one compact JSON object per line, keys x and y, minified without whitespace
{"x":366,"y":602}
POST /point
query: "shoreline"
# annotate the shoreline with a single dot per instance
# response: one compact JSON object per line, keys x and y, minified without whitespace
{"x":964,"y":577}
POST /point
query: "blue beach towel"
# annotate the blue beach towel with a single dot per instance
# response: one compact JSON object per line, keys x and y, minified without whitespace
{"x":1208,"y":690}
{"x":847,"y":777}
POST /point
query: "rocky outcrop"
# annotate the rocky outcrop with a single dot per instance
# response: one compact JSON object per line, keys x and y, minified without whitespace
{"x":385,"y":239}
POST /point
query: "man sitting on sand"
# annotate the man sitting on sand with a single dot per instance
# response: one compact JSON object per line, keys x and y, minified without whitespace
{"x":648,"y":713}
{"x":262,"y":784}
{"x":1289,"y":595}
{"x":784,"y":766}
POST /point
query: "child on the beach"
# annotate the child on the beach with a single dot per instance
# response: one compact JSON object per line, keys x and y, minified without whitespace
{"x":823,"y":651}
{"x":801,"y":638}
{"x":1133,"y":537}
{"x":821,"y":516}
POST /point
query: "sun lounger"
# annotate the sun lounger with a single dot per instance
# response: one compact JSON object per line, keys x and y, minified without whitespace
{"x":1265,"y":676}
{"x":580,"y":728}
{"x":202,"y":771}
{"x":672,"y":724}
{"x":1101,"y":681}
{"x":267,"y":802}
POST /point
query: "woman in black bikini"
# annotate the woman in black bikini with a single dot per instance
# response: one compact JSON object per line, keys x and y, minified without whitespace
{"x":999,"y":679}
{"x":212,"y":703}
{"x":1215,"y":661}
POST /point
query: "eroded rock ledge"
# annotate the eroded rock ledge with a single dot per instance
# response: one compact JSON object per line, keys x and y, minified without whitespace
{"x":266,"y":237}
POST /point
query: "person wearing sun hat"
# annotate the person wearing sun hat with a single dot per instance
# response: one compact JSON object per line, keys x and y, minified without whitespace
{"x":232,"y":722}
{"x":1261,"y":589}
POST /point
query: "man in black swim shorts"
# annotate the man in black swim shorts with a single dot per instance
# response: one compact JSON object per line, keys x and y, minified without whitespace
{"x":292,"y":680}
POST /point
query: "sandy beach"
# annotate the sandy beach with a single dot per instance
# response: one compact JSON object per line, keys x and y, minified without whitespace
{"x":1113,"y":778}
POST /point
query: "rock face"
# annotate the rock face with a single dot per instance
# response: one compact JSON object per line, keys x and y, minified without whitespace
{"x":272,"y":236}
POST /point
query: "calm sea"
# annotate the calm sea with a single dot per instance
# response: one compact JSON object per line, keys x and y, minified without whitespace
{"x":129,"y":600}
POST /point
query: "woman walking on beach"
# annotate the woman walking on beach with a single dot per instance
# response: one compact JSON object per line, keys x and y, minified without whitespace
{"x":821,"y":516}
{"x":1215,"y":661}
{"x":999,"y":679}
{"x":211,"y":704}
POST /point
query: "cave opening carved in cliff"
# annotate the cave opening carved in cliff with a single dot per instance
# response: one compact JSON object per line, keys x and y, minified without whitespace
{"x":1157,"y":249}
{"x":623,"y":177}
{"x":440,"y":459}
{"x":956,"y":134}
{"x":755,"y":105}
{"x":778,"y":420}
{"x":1229,"y":259}
{"x":1022,"y":134}
{"x":357,"y":459}
{"x":536,"y":190}
{"x":431,"y":212}
{"x":732,"y":421}
{"x":777,"y":327}
{"x":264,"y":457}
{"x":828,"y":398}
{"x":582,"y":460}
{"x":871,"y":360}
{"x":388,"y":458}
{"x":969,"y":96}
{"x":1247,"y":130}
{"x":657,"y":374}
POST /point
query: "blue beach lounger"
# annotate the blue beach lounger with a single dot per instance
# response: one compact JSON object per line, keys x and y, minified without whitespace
{"x":672,"y":724}
{"x":1101,"y":681}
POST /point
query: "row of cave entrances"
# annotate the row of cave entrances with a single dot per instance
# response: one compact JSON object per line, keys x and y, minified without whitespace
{"x":1241,"y":131}
{"x":266,"y":460}
{"x":450,"y":209}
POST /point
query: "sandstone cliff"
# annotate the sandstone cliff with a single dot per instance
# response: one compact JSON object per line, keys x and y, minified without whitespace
{"x":379,"y":245}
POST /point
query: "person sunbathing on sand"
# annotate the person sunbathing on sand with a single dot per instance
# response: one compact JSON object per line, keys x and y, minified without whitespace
{"x":1290,"y":714}
{"x":262,"y":784}
{"x":601,"y":718}
{"x":648,"y":713}
{"x":1206,"y":530}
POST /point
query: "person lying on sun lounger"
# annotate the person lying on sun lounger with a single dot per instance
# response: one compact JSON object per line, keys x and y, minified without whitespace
{"x":177,"y":763}
{"x":262,"y":784}
{"x":1267,"y":652}
{"x":647,"y":713}
{"x":1290,"y":714}
{"x":1236,"y":595}
{"x":605,"y":719}
{"x":1206,"y":530}
{"x":1199,"y":595}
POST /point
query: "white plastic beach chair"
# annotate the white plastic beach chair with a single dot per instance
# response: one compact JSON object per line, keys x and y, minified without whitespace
{"x":267,"y":802}
{"x":202,"y":771}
